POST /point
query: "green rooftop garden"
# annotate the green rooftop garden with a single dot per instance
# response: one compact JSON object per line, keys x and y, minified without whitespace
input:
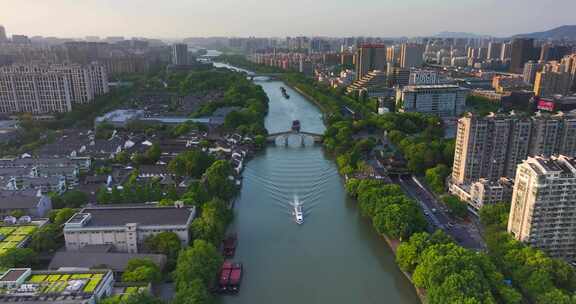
{"x":13,"y":236}
{"x":57,"y":283}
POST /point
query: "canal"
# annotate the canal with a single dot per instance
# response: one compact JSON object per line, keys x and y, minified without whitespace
{"x":334,"y":257}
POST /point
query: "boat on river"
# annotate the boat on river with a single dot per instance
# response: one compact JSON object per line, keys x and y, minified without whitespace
{"x":235,"y":278}
{"x":229,"y":246}
{"x":284,"y":93}
{"x":230,"y":277}
{"x":296,"y":126}
{"x":298,"y":212}
{"x":224,"y":279}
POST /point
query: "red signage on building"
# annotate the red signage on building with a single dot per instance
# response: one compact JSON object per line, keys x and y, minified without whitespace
{"x":545,"y":105}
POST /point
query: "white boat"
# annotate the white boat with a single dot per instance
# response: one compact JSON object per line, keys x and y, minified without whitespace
{"x":298,"y":212}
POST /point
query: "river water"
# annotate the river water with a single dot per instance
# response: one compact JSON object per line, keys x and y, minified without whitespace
{"x":334,"y":257}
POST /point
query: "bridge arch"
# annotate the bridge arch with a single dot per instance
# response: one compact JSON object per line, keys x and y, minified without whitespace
{"x":317,"y":138}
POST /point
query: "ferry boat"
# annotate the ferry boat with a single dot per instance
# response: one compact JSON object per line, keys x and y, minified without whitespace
{"x":283,"y":90}
{"x":296,"y":126}
{"x":298,"y":212}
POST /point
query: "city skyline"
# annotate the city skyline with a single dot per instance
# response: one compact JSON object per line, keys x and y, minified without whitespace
{"x":201,"y":18}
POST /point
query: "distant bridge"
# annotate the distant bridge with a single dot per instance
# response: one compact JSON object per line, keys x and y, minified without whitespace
{"x":251,"y":76}
{"x":285,"y":135}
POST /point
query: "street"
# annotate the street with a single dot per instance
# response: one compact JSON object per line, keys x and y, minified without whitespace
{"x":465,"y":234}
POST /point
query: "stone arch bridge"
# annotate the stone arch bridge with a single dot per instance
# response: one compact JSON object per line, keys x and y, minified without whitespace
{"x":285,"y":135}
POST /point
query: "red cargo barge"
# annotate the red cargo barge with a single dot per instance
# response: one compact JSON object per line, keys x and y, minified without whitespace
{"x":229,"y":246}
{"x":224,"y":279}
{"x":235,"y":278}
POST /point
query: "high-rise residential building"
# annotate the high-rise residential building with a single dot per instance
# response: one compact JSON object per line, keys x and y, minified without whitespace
{"x":553,"y":79}
{"x":180,"y":54}
{"x":87,"y":81}
{"x":506,"y":52}
{"x":411,"y":55}
{"x":26,"y":89}
{"x":482,"y":53}
{"x":530,"y":69}
{"x":522,"y":51}
{"x":490,"y":147}
{"x":543,"y":211}
{"x":441,"y":100}
{"x":393,"y":54}
{"x":481,"y":148}
{"x":43,"y":89}
{"x":494,"y":50}
{"x":397,"y":76}
{"x":370,"y":57}
{"x":20,"y":39}
{"x":569,"y":63}
{"x":550,"y":52}
{"x":3,"y":36}
{"x":346,"y":59}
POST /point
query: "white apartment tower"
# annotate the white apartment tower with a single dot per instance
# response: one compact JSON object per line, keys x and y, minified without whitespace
{"x":543,"y":211}
{"x":43,"y":89}
{"x":27,"y":89}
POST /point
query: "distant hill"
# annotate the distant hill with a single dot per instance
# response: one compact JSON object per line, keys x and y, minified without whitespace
{"x":459,"y":35}
{"x":567,"y":32}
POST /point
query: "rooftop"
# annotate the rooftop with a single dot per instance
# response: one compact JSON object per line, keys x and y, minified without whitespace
{"x":14,"y":236}
{"x":120,"y":116}
{"x":52,"y":286}
{"x":18,"y":199}
{"x":116,"y":261}
{"x":120,"y":216}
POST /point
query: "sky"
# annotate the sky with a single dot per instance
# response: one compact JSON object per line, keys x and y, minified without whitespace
{"x":279,"y":18}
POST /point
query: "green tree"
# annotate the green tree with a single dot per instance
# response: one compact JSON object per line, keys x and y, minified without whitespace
{"x":212,"y":223}
{"x":435,"y":177}
{"x":17,"y":213}
{"x":152,"y":155}
{"x":18,"y":258}
{"x":136,"y":298}
{"x":122,"y":157}
{"x":116,"y":196}
{"x":200,"y":261}
{"x":408,"y":253}
{"x":396,"y":221}
{"x":555,"y":296}
{"x":46,"y":239}
{"x":103,"y":196}
{"x":259,"y":141}
{"x":141,"y":270}
{"x":71,"y":199}
{"x":61,"y":216}
{"x":217,"y":182}
{"x":166,"y":243}
{"x":495,"y":215}
{"x":191,"y":163}
{"x":455,"y":205}
{"x":193,"y":293}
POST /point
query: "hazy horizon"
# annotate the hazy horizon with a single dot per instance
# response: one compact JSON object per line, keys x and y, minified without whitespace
{"x":278,"y":18}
